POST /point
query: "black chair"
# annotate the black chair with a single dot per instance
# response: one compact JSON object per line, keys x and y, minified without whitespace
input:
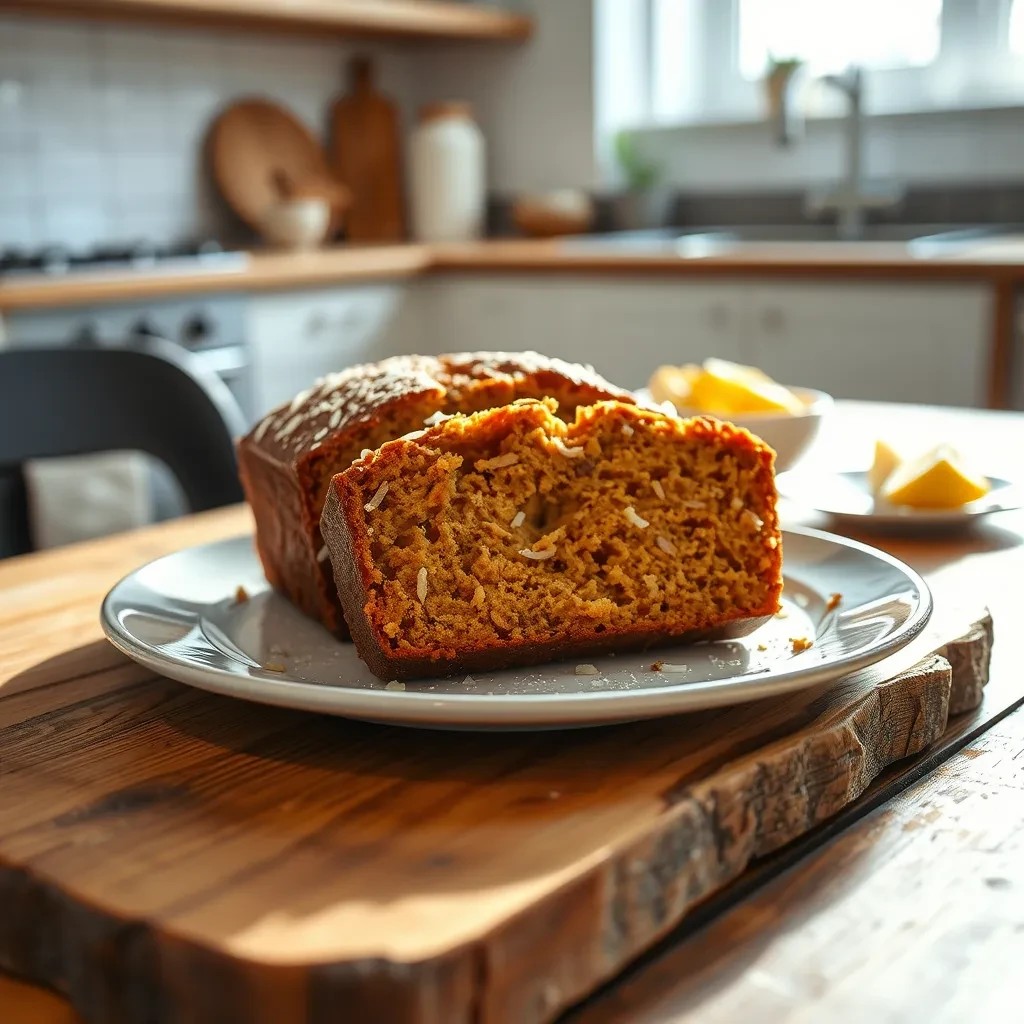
{"x":154,"y":397}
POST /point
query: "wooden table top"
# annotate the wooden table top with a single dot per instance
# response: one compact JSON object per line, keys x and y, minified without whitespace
{"x":915,"y":909}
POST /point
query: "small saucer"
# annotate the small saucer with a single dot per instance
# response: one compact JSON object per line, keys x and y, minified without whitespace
{"x":848,"y":496}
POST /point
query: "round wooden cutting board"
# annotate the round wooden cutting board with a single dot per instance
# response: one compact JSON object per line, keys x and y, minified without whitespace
{"x":254,"y":144}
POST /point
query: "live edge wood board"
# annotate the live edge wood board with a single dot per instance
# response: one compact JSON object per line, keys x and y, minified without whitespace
{"x":172,"y":856}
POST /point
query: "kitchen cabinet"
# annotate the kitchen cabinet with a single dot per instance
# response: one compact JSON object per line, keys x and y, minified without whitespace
{"x":902,"y":342}
{"x":499,"y":314}
{"x":295,"y":337}
{"x":622,"y":326}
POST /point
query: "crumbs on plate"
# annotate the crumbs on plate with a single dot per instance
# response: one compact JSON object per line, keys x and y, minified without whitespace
{"x":833,"y":602}
{"x":657,"y":666}
{"x":800,"y":643}
{"x":275,"y":666}
{"x":241,"y":594}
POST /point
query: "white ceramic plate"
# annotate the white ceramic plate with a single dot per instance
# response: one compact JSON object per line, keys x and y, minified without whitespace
{"x":848,"y":496}
{"x":178,"y":616}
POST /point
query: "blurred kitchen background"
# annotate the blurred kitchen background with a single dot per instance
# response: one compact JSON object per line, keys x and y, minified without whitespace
{"x":832,"y":190}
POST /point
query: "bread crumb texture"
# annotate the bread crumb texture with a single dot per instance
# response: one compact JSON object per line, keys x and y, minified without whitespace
{"x":531,"y":530}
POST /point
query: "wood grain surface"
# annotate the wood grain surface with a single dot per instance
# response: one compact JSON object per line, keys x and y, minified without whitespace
{"x":155,"y":834}
{"x":367,"y":157}
{"x":916,"y":912}
{"x":286,"y":837}
{"x":412,"y":19}
{"x":268,"y":270}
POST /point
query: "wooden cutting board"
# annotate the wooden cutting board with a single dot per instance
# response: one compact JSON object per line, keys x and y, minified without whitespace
{"x":169,"y":855}
{"x":366,"y":154}
{"x":253,"y":146}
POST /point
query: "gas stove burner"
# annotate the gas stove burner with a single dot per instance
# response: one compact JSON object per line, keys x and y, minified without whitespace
{"x":129,"y":256}
{"x":52,"y":259}
{"x":138,"y":253}
{"x":205,"y":247}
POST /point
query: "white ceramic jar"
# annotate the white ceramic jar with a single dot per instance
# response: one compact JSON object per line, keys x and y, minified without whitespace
{"x":447,"y":178}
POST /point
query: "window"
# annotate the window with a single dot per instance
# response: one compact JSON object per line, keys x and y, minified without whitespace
{"x":829,"y":36}
{"x":1015,"y":28}
{"x":704,"y":59}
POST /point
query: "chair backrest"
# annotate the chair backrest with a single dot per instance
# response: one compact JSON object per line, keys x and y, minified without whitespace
{"x":154,"y":397}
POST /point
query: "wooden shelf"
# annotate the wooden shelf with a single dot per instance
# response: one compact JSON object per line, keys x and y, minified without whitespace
{"x":409,"y":19}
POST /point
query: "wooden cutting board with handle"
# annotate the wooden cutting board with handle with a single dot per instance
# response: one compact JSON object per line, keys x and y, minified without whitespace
{"x":366,"y":154}
{"x":256,"y":147}
{"x":170,"y":855}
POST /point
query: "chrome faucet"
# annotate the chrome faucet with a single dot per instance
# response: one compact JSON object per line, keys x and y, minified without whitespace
{"x":854,"y":195}
{"x":851,"y":214}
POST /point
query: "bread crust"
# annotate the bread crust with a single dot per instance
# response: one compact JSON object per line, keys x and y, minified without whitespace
{"x":286,"y":461}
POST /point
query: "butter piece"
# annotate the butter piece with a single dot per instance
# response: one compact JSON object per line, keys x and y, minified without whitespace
{"x":733,"y":388}
{"x":938,"y":479}
{"x":887,"y":458}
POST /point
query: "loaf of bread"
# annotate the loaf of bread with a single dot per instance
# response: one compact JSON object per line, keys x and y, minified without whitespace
{"x":510,"y":537}
{"x":287,"y":461}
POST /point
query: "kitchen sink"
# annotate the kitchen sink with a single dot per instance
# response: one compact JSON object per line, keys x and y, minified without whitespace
{"x":921,"y":240}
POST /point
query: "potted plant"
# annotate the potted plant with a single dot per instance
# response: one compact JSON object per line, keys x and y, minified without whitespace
{"x":643,"y":203}
{"x":780,"y":79}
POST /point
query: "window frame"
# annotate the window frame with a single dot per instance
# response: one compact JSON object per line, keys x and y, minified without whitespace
{"x":974,"y":67}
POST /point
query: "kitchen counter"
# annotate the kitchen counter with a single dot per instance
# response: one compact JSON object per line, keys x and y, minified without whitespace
{"x":260,"y":272}
{"x":267,"y":270}
{"x":998,"y":263}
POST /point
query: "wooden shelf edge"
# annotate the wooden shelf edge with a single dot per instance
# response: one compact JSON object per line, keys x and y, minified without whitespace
{"x":405,"y":19}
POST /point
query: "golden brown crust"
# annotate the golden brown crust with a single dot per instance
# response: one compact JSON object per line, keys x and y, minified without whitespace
{"x":340,"y":403}
{"x":288,"y":458}
{"x":345,"y":528}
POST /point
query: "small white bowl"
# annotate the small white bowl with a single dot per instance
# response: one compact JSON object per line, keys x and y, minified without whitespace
{"x":297,"y":223}
{"x":790,"y":435}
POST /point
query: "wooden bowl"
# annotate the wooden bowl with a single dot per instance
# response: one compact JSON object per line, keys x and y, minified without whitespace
{"x":566,"y":212}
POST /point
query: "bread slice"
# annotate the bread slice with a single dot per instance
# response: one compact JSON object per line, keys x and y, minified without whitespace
{"x":509,"y":537}
{"x":286,"y":462}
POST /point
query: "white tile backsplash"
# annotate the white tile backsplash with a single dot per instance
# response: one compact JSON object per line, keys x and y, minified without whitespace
{"x":18,"y":132}
{"x":21,"y":220}
{"x":18,"y":175}
{"x":67,"y":176}
{"x":86,"y":218}
{"x":102,"y":126}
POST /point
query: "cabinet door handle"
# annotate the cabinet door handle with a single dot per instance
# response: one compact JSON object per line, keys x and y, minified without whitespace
{"x":772,"y":320}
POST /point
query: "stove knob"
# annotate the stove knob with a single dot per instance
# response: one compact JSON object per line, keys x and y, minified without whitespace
{"x":196,"y":331}
{"x":144,"y":328}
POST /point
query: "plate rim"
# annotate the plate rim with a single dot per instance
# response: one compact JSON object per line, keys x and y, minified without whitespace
{"x":535,"y":709}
